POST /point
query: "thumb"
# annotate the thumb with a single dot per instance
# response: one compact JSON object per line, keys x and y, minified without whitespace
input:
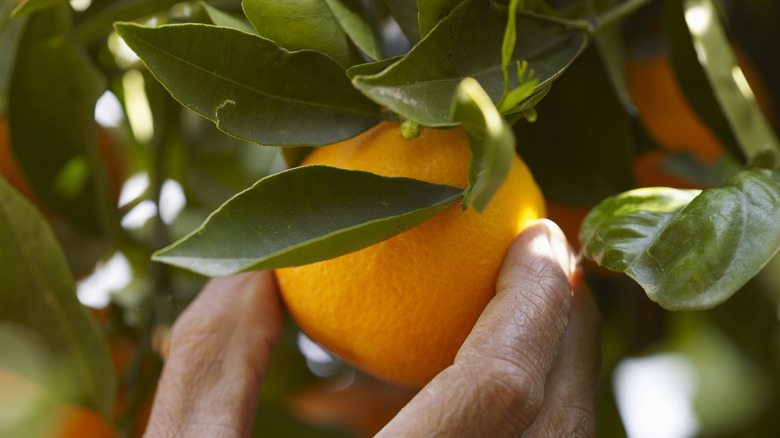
{"x":496,"y":385}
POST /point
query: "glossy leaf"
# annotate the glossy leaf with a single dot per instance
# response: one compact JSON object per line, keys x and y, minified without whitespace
{"x":468,"y":43}
{"x":405,"y":14}
{"x":352,"y":19}
{"x":267,"y":95}
{"x":713,"y":81}
{"x":491,"y":140}
{"x":30,"y":6}
{"x":51,"y":119}
{"x":689,"y":252}
{"x":225,"y":19}
{"x":579,"y":156}
{"x":38,"y":292}
{"x":431,"y":12}
{"x":304,"y":215}
{"x":371,"y":68}
{"x":302,"y":24}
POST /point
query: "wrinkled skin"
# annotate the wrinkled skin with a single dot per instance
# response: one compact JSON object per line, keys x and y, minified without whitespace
{"x":529,"y":367}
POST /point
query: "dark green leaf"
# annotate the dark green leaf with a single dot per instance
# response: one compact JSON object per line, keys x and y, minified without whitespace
{"x":96,"y":26}
{"x":609,"y":43}
{"x":579,"y":156}
{"x":225,"y":19}
{"x":371,"y":68}
{"x":304,"y":215}
{"x":711,"y":78}
{"x":431,"y":12}
{"x":267,"y":95}
{"x":468,"y":43}
{"x":491,"y":140}
{"x":10,"y":32}
{"x":302,"y":24}
{"x":353,"y":21}
{"x":689,"y":252}
{"x":405,"y":14}
{"x":38,"y":292}
{"x":30,"y":6}
{"x":51,"y":119}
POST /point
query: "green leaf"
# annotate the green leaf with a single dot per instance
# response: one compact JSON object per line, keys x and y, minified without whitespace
{"x":304,"y":215}
{"x":467,"y":43}
{"x":609,"y":42}
{"x":512,"y":99}
{"x":225,"y":19}
{"x":302,"y":24}
{"x":39,"y":294}
{"x":688,"y":250}
{"x":10,"y":32}
{"x":371,"y":68}
{"x":711,"y":78}
{"x":353,"y":21}
{"x":529,"y":102}
{"x":30,"y":6}
{"x":579,"y":154}
{"x":405,"y":14}
{"x":51,"y":119}
{"x":95,"y":27}
{"x":267,"y":95}
{"x":491,"y":140}
{"x":431,"y":12}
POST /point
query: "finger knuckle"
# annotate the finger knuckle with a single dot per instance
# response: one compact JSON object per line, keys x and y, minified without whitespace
{"x":572,"y":421}
{"x":517,"y":394}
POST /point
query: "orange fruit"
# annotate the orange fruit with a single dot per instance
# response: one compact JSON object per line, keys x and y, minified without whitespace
{"x":80,"y":422}
{"x":400,"y":309}
{"x":665,"y":111}
{"x":28,"y":408}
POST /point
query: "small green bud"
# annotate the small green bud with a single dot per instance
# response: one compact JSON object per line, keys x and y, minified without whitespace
{"x":410,"y":129}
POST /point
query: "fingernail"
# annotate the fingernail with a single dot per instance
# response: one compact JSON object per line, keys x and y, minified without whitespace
{"x":561,"y":249}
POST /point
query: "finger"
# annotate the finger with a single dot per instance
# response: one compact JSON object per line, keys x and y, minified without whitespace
{"x":496,"y":385}
{"x":219,"y":352}
{"x":571,"y":393}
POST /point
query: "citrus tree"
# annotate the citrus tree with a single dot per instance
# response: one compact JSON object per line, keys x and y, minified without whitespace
{"x":647,"y":127}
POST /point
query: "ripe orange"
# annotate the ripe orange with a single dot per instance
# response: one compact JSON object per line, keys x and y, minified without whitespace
{"x":401,"y":308}
{"x":28,"y":408}
{"x":665,"y":111}
{"x":80,"y":422}
{"x":667,"y":114}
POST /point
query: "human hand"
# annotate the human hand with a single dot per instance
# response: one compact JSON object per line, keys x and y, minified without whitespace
{"x":530,"y":366}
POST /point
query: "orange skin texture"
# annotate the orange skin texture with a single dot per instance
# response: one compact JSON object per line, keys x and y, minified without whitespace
{"x":401,"y":309}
